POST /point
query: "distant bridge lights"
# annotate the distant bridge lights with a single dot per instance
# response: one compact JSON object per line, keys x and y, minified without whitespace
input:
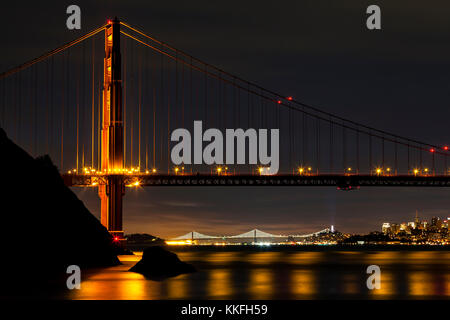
{"x":134,"y":183}
{"x":264,"y":171}
{"x":349,"y":171}
{"x":303,"y":170}
{"x":222,"y":170}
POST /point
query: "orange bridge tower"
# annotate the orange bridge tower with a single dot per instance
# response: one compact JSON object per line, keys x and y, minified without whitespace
{"x":112,"y":163}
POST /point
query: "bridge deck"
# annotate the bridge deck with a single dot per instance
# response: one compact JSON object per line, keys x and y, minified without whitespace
{"x":347,"y":182}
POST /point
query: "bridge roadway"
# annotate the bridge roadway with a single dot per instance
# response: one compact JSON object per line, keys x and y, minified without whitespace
{"x":344,"y":182}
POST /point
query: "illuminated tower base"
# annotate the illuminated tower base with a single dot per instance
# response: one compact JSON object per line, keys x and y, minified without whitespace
{"x":111,"y":196}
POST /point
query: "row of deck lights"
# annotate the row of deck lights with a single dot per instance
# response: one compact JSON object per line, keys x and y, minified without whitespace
{"x":224,"y":171}
{"x":92,"y":171}
{"x":378,"y":171}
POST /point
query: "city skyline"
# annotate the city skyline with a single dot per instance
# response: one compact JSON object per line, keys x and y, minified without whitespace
{"x":216,"y":214}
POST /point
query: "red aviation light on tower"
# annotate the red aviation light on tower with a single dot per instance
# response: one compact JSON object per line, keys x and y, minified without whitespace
{"x":279,"y":101}
{"x":109,"y":21}
{"x":116,"y":238}
{"x":432,"y":150}
{"x":289,"y":98}
{"x":445,"y":148}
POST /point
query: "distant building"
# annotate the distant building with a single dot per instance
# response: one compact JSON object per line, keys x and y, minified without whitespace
{"x":395,"y":228}
{"x":435,"y":221}
{"x":386,"y":228}
{"x":417,"y":220}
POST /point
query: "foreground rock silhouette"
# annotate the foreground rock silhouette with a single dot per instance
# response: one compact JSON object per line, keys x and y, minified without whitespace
{"x":158,"y":264}
{"x":45,"y":227}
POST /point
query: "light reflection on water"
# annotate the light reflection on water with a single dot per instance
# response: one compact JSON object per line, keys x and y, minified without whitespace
{"x":279,"y":275}
{"x":303,"y":284}
{"x":261,"y":284}
{"x":219,"y":283}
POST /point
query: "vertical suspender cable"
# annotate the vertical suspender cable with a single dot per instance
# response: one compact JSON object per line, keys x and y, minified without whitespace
{"x":132,"y":109}
{"x":83,"y":106}
{"x":357,"y":150}
{"x":408,"y":158}
{"x":317,"y":145}
{"x":420,"y":159}
{"x":396,"y":156}
{"x":370,"y":152}
{"x":331,"y":146}
{"x":161,"y":108}
{"x":154,"y":114}
{"x":147,"y":80}
{"x":139,"y":110}
{"x":78,"y":117}
{"x":36,"y":82}
{"x":432,"y":157}
{"x":206,"y":96}
{"x":46,"y":106}
{"x":344,"y":147}
{"x":52,"y":94}
{"x":182,"y":95}
{"x":124,"y":79}
{"x":176,"y":105}
{"x":168,"y":115}
{"x":62,"y":112}
{"x":93,"y":102}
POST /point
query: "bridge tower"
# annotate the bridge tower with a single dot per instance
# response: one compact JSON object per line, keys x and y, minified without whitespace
{"x":112,"y":192}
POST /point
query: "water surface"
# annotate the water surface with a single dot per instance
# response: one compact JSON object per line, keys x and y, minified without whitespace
{"x":279,"y":274}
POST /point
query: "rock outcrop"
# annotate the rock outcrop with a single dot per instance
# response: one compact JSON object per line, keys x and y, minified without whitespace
{"x":158,"y":264}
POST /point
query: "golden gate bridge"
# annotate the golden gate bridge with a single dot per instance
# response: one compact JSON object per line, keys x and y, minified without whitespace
{"x":104,"y":109}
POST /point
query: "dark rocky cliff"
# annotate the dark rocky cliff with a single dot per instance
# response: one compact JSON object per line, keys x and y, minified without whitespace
{"x":44,"y":226}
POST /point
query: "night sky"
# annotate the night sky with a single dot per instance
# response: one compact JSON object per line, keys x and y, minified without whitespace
{"x":396,"y":79}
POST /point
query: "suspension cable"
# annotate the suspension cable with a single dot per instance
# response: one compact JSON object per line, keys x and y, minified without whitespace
{"x":50,"y":53}
{"x":269,"y":91}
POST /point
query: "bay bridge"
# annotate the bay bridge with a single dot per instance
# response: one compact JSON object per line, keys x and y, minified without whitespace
{"x":104,"y":110}
{"x":254,"y":236}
